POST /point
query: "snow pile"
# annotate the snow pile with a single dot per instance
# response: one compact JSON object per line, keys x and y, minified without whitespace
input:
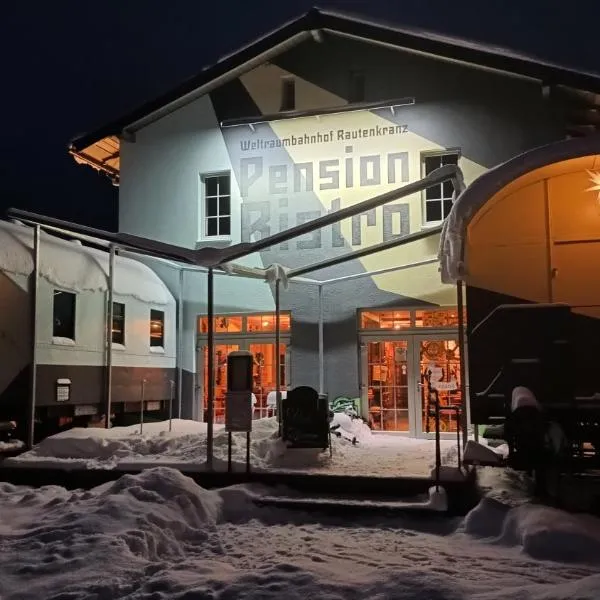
{"x":158,"y":535}
{"x":543,"y":533}
{"x":185,"y":448}
{"x":72,"y":266}
{"x":11,"y":446}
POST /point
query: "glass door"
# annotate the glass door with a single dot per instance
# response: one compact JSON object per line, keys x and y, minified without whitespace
{"x":386,"y":376}
{"x":264,"y":380}
{"x":222,"y":350}
{"x":438,"y":360}
{"x":264,"y":376}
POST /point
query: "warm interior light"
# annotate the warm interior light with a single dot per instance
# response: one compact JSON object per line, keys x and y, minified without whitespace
{"x":265,"y":323}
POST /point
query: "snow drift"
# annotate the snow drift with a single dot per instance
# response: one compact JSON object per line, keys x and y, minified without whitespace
{"x":185,"y":448}
{"x":542,"y":532}
{"x":158,"y":535}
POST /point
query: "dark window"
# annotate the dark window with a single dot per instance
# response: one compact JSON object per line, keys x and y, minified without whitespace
{"x":63,"y":312}
{"x":217,"y":205}
{"x":118,"y":323}
{"x":288,"y":93}
{"x":157,"y":328}
{"x":438,"y":199}
{"x":357,"y":87}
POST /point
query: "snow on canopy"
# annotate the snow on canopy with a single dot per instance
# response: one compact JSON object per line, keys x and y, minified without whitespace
{"x":466,"y":206}
{"x":71,"y":266}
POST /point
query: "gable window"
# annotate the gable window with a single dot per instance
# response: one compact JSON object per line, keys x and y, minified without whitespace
{"x":157,"y":329}
{"x":438,"y":199}
{"x":118,"y":323}
{"x":217,"y":205}
{"x":356,"y":92}
{"x":63,"y":315}
{"x":288,"y":93}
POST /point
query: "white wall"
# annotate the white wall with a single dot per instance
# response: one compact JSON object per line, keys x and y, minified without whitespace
{"x":90,"y":321}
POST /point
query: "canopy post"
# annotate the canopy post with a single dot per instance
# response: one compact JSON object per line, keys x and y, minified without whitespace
{"x":277,"y":350}
{"x":180,"y":343}
{"x":34,"y":283}
{"x":211,"y":370}
{"x":464,"y":417}
{"x":109,"y":338}
{"x":321,"y":344}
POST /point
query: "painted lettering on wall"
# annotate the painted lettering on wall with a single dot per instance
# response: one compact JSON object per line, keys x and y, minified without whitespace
{"x":258,"y":221}
{"x":282,"y":182}
{"x":293,"y":171}
{"x":329,"y":174}
{"x":338,"y":135}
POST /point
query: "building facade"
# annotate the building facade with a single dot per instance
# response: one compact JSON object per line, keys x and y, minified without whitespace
{"x":314,"y":117}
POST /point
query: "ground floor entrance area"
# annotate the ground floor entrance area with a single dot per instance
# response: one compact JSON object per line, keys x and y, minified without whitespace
{"x":253,"y":333}
{"x":409,"y":360}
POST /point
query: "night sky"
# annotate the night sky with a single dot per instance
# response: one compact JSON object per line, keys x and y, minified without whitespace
{"x":69,"y":67}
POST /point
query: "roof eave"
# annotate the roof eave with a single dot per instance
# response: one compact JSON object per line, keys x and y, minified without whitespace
{"x":228,"y":68}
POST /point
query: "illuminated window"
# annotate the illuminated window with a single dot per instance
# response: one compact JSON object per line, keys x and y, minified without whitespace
{"x":217,"y":205}
{"x":222,"y":324}
{"x":157,"y":328}
{"x":63,"y":315}
{"x":388,"y":319}
{"x":443,"y":317}
{"x":235,"y":324}
{"x":118,"y":323}
{"x":288,"y":93}
{"x":265,"y":323}
{"x":438,"y":199}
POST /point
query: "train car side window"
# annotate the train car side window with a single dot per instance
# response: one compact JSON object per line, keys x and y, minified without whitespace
{"x":63,"y":315}
{"x":157,"y":329}
{"x":118,"y":323}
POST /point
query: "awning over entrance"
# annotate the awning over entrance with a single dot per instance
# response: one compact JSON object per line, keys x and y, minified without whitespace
{"x":549,"y":193}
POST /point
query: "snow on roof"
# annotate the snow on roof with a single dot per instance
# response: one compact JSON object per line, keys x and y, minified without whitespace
{"x":71,"y":266}
{"x":451,"y":250}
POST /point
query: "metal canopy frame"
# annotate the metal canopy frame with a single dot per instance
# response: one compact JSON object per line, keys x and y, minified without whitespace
{"x":216,"y":260}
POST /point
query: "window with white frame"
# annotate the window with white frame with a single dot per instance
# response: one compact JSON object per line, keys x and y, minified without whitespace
{"x":63,"y":315}
{"x":437,"y":200}
{"x":217,"y":205}
{"x":157,"y":328}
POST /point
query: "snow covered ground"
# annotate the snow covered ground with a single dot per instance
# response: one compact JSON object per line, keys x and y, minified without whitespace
{"x":184,"y":447}
{"x":157,"y":535}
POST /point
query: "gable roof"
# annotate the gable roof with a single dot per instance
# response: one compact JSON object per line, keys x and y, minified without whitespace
{"x":100,"y":148}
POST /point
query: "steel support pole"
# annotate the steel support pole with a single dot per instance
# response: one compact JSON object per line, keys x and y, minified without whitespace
{"x":109,"y":328}
{"x":464,"y":417}
{"x":210,"y":309}
{"x":34,"y":281}
{"x":180,"y":343}
{"x":277,"y":352}
{"x":321,"y":345}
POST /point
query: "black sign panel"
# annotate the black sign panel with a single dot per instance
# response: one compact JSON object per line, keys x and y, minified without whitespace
{"x":304,"y":419}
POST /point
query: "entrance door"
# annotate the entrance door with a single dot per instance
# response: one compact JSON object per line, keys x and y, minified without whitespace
{"x":264,"y":380}
{"x":438,"y":366}
{"x":388,"y":372}
{"x":264,"y":376}
{"x":220,"y":361}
